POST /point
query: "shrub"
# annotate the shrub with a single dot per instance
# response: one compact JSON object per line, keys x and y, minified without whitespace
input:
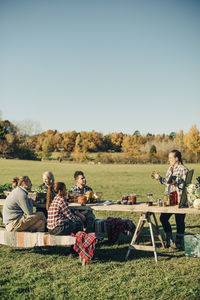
{"x":24,"y":152}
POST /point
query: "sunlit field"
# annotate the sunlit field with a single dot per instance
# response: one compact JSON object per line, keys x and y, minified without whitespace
{"x":54,"y":274}
{"x":112,"y":180}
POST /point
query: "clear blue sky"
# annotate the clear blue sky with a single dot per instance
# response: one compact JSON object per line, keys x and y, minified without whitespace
{"x":108,"y":66}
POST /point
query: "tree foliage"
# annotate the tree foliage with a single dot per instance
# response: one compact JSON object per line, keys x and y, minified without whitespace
{"x":136,"y":147}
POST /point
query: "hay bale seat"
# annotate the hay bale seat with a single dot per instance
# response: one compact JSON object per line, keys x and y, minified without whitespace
{"x":34,"y":239}
{"x":39,"y":239}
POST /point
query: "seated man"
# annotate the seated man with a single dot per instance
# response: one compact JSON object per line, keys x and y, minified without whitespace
{"x":81,"y":188}
{"x":18,"y":209}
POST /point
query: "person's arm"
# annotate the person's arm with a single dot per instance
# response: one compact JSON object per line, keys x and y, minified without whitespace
{"x":67,"y":212}
{"x":81,"y":216}
{"x":162,"y":180}
{"x":156,"y":175}
{"x":25,"y":203}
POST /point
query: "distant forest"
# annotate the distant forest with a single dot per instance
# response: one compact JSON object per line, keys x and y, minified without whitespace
{"x":93,"y":146}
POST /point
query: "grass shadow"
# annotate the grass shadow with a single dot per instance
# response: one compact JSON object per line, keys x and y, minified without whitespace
{"x":195,"y":226}
{"x":45,"y":250}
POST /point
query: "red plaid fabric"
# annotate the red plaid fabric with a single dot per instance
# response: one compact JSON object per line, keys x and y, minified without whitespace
{"x":115,"y":226}
{"x":59,"y":212}
{"x":85,"y":244}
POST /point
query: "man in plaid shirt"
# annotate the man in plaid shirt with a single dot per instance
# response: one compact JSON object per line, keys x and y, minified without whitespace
{"x":81,"y":188}
{"x":174,"y":182}
{"x":61,"y":220}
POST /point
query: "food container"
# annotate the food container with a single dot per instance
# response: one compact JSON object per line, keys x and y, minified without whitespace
{"x":89,"y":196}
{"x":173,"y":198}
{"x":82,"y":199}
{"x":149,"y":199}
{"x":159,"y":202}
{"x":132,"y":198}
{"x":72,"y":196}
{"x":166,"y":199}
{"x":125,"y":197}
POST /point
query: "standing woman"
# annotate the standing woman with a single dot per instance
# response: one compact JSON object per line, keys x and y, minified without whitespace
{"x":174,"y":182}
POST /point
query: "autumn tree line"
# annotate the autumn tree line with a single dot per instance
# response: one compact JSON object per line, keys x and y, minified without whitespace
{"x":94,"y":146}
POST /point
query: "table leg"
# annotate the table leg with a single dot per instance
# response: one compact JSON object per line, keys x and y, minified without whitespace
{"x":156,"y":228}
{"x":145,"y":217}
{"x":138,"y":230}
{"x":152,"y":239}
{"x":136,"y":235}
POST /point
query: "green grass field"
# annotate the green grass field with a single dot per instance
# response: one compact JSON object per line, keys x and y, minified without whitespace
{"x":54,"y":274}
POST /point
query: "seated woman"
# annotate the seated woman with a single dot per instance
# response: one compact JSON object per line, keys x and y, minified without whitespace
{"x":48,"y":183}
{"x":81,"y":188}
{"x":61,"y":220}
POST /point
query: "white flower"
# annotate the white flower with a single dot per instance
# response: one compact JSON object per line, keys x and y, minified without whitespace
{"x":191,"y":188}
{"x":193,"y":192}
{"x":197,"y":192}
{"x":197,"y":204}
{"x":191,"y":197}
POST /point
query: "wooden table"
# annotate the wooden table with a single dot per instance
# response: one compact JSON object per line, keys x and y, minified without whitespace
{"x":147,"y":215}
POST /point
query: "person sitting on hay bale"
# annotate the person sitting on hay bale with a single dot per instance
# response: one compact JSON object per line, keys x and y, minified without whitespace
{"x":14,"y":182}
{"x":18,"y":209}
{"x":81,"y":188}
{"x":61,"y":220}
{"x":47,"y":187}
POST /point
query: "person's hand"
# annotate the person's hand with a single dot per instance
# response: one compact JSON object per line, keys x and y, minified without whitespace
{"x":173,"y":182}
{"x":84,"y":212}
{"x":32,"y":200}
{"x":82,"y":217}
{"x":155,"y":175}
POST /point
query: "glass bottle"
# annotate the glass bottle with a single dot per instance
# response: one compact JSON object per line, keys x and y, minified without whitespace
{"x":166,"y":198}
{"x":149,"y":199}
